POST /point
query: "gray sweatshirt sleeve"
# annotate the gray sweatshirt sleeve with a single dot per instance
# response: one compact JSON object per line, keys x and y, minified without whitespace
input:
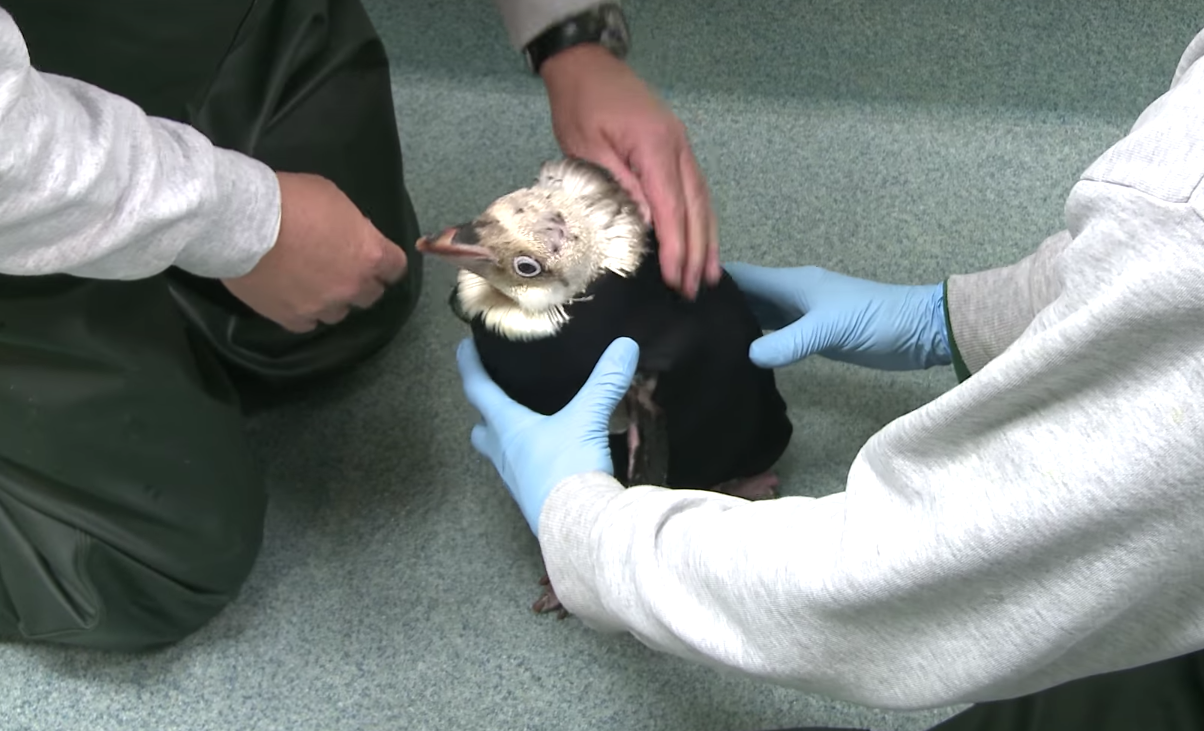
{"x":92,"y":186}
{"x":525,"y":19}
{"x":988,"y":311}
{"x":1040,"y":522}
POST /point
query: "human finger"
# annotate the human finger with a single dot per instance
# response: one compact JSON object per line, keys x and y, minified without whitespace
{"x":767,"y":294}
{"x":714,"y":270}
{"x":768,"y":283}
{"x":334,"y":314}
{"x":609,"y":159}
{"x":660,"y":176}
{"x":298,"y":325}
{"x":391,"y":266}
{"x":368,"y":294}
{"x":697,"y":245}
{"x":485,"y":396}
{"x":609,"y":380}
{"x":483,"y":440}
{"x":805,"y":336}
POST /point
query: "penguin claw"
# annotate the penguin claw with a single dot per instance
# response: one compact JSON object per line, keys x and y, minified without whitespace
{"x":548,"y":602}
{"x":759,"y":487}
{"x":633,"y":444}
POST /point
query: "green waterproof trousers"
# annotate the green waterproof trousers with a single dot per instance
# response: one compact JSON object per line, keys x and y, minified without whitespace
{"x":130,"y":508}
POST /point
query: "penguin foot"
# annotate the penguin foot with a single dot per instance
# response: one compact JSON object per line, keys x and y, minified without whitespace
{"x":760,"y":487}
{"x":547,"y":602}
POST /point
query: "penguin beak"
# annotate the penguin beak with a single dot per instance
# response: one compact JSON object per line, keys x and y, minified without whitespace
{"x":458,"y":245}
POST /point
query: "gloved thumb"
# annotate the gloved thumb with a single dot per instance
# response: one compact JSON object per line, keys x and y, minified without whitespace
{"x":609,"y":381}
{"x":757,"y":281}
{"x":773,"y":294}
{"x":803,"y":337}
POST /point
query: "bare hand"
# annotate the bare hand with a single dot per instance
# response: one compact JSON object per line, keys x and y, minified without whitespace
{"x":327,"y":259}
{"x":603,"y":112}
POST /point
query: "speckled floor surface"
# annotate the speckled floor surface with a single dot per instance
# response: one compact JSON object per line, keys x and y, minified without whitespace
{"x":901,"y":141}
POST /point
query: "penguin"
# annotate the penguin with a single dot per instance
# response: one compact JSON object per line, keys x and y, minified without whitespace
{"x":549,"y":275}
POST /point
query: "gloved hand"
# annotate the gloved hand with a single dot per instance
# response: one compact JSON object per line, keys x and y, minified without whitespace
{"x":533,"y":452}
{"x":871,"y":324}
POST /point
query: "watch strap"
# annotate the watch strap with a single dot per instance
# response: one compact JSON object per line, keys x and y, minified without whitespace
{"x":603,"y":24}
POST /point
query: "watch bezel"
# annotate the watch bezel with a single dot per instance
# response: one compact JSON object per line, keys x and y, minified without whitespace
{"x":604,"y":24}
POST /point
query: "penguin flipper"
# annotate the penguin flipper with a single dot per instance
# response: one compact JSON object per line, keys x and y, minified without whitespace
{"x":647,"y":434}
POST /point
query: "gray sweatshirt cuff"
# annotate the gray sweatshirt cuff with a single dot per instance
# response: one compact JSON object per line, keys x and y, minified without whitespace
{"x":571,"y":511}
{"x":987,"y":311}
{"x":245,"y":226}
{"x":526,"y":19}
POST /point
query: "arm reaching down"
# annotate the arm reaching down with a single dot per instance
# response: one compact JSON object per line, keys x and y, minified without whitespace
{"x":1038,"y":523}
{"x":93,"y":187}
{"x":603,"y":112}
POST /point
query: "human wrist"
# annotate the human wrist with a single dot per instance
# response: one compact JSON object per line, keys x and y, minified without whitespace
{"x":559,"y":474}
{"x":599,"y":24}
{"x":575,"y":500}
{"x":936,"y":340}
{"x":959,"y":361}
{"x":244,"y":226}
{"x":572,"y":65}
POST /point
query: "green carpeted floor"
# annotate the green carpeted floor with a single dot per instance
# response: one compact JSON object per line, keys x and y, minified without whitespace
{"x":902,"y":141}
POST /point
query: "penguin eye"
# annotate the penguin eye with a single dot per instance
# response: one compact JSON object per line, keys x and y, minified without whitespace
{"x":525,"y":266}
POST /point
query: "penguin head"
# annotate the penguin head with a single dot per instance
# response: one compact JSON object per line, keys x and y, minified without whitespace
{"x":542,"y":246}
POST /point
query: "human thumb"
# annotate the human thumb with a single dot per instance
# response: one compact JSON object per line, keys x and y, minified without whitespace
{"x":610,"y":379}
{"x":392,"y":264}
{"x":803,"y":337}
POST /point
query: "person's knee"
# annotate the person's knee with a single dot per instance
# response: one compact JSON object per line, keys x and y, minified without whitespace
{"x":142,"y":588}
{"x":192,"y":581}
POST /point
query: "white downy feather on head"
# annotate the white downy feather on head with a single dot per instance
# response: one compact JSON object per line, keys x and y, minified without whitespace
{"x":539,"y":248}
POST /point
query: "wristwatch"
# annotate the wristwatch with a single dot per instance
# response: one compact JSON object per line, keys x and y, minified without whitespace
{"x":603,"y":24}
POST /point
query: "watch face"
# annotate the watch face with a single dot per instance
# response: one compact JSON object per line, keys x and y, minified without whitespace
{"x":604,"y":25}
{"x":615,"y":36}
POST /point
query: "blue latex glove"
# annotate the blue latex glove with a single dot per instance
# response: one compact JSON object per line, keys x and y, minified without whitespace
{"x":533,"y":452}
{"x":815,"y":311}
